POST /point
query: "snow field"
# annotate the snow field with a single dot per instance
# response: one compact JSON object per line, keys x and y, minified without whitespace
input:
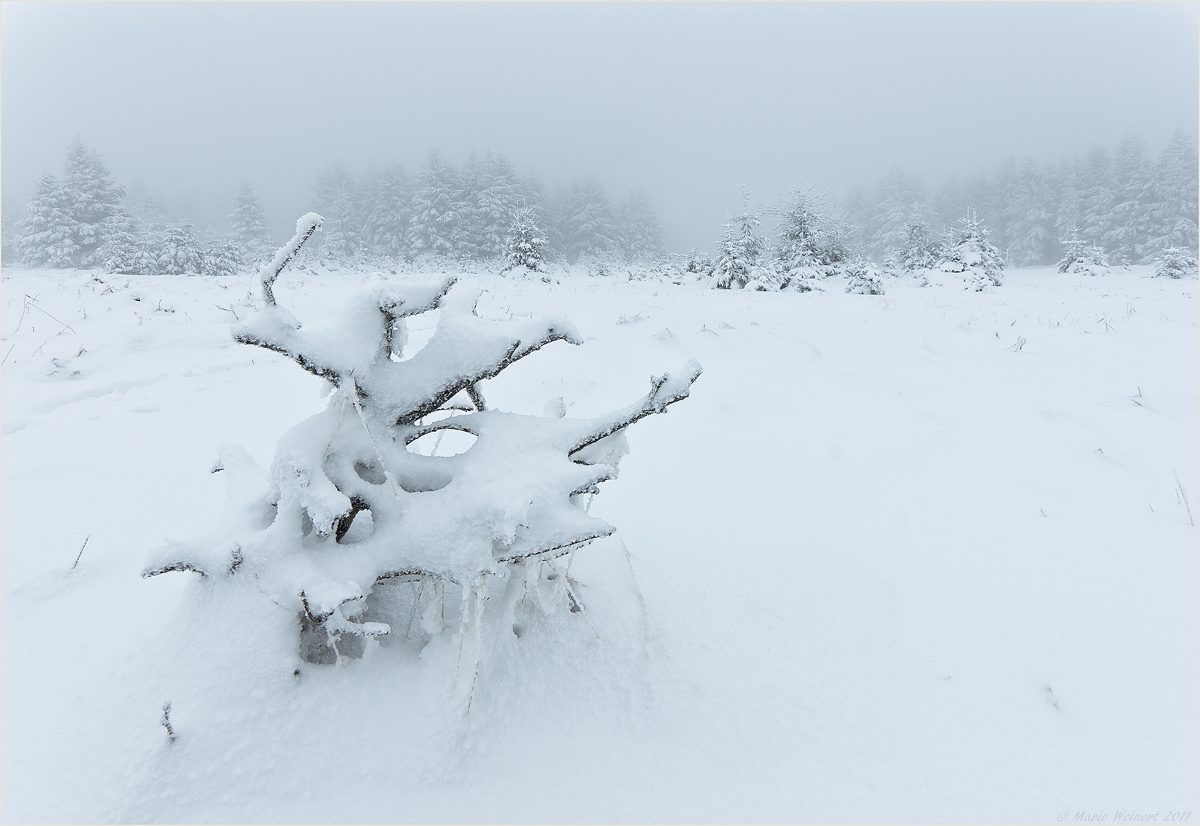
{"x":887,"y":563}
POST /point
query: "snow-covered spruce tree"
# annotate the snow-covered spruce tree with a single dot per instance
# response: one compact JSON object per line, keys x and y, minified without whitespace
{"x":638,"y":229}
{"x":221,"y":258}
{"x":120,"y":251}
{"x":1096,"y":196}
{"x":389,"y":206}
{"x":900,"y":199}
{"x":180,"y":253}
{"x":348,"y":512}
{"x":493,"y":195}
{"x":1129,"y":226}
{"x":1175,"y":262}
{"x":525,"y":242}
{"x":338,"y":196}
{"x":920,"y":249}
{"x":1172,"y":214}
{"x":1027,"y":216}
{"x":1081,"y":257}
{"x":248,"y":227}
{"x":46,"y":236}
{"x":93,"y":198}
{"x":741,"y":250}
{"x":833,"y":240}
{"x":150,"y":253}
{"x":433,"y":227}
{"x":589,"y":227}
{"x":968,"y":252}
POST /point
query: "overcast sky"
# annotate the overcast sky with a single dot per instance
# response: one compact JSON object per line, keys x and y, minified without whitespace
{"x":686,"y":100}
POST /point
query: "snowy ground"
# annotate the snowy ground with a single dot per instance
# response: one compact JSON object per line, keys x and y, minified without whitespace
{"x":895,"y":565}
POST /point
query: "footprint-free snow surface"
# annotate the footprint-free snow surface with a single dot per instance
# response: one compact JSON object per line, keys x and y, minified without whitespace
{"x":926,"y":556}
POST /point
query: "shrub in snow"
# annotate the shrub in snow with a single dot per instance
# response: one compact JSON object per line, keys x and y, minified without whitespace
{"x":348,"y":510}
{"x":1175,"y":262}
{"x":666,"y":270}
{"x":864,"y":278}
{"x":1084,"y":258}
{"x":966,"y":251}
{"x":740,"y":251}
{"x":602,"y":264}
{"x":525,"y":242}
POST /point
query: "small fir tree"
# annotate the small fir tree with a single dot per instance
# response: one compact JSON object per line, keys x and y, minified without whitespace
{"x":1081,"y":257}
{"x":920,"y":250}
{"x":1175,"y":262}
{"x":798,"y":251}
{"x":967,"y":251}
{"x":741,"y":250}
{"x":863,"y":278}
{"x":525,"y":242}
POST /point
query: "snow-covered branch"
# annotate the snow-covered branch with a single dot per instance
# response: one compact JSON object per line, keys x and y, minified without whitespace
{"x":305,"y":227}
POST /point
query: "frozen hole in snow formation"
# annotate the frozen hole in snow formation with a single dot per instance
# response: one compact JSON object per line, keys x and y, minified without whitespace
{"x":420,"y":329}
{"x":369,"y":473}
{"x":444,"y":442}
{"x":361,"y":526}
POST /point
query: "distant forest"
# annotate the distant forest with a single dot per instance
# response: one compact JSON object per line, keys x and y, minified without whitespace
{"x":1125,"y":202}
{"x":445,"y":212}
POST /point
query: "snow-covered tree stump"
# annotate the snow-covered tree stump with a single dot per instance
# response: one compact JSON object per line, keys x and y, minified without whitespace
{"x":348,"y":506}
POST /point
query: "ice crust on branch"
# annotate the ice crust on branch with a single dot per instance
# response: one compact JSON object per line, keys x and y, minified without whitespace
{"x":346,"y":505}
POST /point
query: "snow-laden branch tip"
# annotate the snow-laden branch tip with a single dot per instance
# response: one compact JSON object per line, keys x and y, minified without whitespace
{"x":305,"y":227}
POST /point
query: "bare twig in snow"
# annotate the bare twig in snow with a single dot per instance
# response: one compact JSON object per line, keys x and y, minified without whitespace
{"x":1183,"y":494}
{"x":166,"y":722}
{"x":80,"y":554}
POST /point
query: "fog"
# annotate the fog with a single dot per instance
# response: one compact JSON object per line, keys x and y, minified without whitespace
{"x":686,"y":101}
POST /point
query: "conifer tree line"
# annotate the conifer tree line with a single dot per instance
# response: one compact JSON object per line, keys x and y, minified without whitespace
{"x":1131,"y":206}
{"x":1124,"y":203}
{"x":469,"y":212}
{"x":478,"y":211}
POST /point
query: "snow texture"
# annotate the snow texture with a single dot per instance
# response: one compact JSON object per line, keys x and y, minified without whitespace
{"x":886,"y":564}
